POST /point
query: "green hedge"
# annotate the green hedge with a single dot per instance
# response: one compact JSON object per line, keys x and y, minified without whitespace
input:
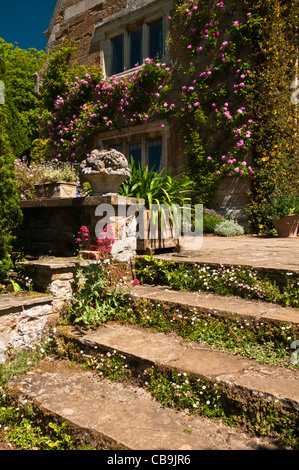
{"x":10,"y":214}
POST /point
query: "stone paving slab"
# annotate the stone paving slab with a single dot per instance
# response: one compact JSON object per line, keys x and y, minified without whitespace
{"x":268,"y":381}
{"x":222,"y":305}
{"x":123,"y":417}
{"x":10,"y":303}
{"x":270,"y":253}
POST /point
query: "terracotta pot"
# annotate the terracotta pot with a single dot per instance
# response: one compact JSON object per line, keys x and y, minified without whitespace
{"x":287,"y":226}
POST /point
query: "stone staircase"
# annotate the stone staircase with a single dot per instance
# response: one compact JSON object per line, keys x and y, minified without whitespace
{"x":126,"y":414}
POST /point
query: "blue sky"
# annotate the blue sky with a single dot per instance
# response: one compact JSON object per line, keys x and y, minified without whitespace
{"x":25,"y":22}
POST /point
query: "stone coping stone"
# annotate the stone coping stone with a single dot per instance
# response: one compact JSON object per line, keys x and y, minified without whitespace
{"x":11,"y":303}
{"x":230,"y":306}
{"x":112,"y":199}
{"x":114,"y":416}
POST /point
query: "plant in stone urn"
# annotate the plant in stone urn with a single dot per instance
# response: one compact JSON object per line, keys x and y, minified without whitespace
{"x":285,"y":215}
{"x":105,"y":170}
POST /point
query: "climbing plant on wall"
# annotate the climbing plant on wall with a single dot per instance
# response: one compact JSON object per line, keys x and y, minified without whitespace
{"x":89,"y":104}
{"x":236,"y":117}
{"x":213,"y":120}
{"x":227,"y":96}
{"x":276,"y":157}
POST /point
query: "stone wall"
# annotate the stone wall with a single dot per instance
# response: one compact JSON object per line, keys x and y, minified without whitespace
{"x":75,"y":20}
{"x":50,"y":226}
{"x":85,"y":22}
{"x":24,"y":320}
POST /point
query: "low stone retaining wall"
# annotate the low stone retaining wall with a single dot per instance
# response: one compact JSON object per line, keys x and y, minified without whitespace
{"x":50,"y":226}
{"x":24,"y":319}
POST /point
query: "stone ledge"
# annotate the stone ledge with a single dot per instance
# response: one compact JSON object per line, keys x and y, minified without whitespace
{"x":112,"y":199}
{"x":10,"y":303}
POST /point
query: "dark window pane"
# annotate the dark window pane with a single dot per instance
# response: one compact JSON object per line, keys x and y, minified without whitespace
{"x":118,"y":148}
{"x":155,"y":154}
{"x":156,"y":39}
{"x":135,"y":152}
{"x":118,"y":55}
{"x":136,"y":48}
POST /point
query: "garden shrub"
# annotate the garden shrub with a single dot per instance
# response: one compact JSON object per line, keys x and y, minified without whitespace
{"x":210,"y":220}
{"x":17,"y":67}
{"x":228,"y":228}
{"x":235,"y":96}
{"x":10,"y":214}
{"x":28,"y":175}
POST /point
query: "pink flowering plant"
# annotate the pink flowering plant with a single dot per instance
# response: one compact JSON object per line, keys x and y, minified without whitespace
{"x":104,"y":242}
{"x":83,"y":238}
{"x":213,"y":119}
{"x":92,"y":105}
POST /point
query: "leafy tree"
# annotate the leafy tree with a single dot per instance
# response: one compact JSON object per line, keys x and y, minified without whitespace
{"x":59,"y":73}
{"x":17,"y":69}
{"x":18,"y":123}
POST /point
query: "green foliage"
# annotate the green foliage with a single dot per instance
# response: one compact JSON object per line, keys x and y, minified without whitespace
{"x":59,"y":73}
{"x":274,"y":42}
{"x":90,"y":104}
{"x":28,"y":175}
{"x":213,"y":120}
{"x":156,"y":187}
{"x":284,"y":205}
{"x":236,"y":99}
{"x":96,"y":297}
{"x":10,"y":214}
{"x":210,"y":220}
{"x":236,"y":281}
{"x":229,"y":228}
{"x":21,"y":108}
{"x":39,"y":150}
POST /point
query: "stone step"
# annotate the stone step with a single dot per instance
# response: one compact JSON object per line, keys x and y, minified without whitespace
{"x":275,"y":256}
{"x":268,"y":265}
{"x":113,"y":416}
{"x":221,"y":305}
{"x":269,"y":382}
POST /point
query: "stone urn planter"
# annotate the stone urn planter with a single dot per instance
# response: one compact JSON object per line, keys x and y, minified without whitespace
{"x":105,"y":170}
{"x":55,"y":190}
{"x":287,"y":226}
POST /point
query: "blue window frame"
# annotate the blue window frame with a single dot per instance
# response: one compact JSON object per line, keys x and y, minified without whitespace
{"x":155,"y":154}
{"x":135,"y":48}
{"x":118,"y":54}
{"x":156,"y":39}
{"x":135,"y":152}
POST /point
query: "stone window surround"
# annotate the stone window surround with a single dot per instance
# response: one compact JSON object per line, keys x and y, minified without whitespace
{"x":108,"y":29}
{"x":140,"y":133}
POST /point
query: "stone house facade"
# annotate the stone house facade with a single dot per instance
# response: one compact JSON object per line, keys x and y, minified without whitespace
{"x":117,"y":35}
